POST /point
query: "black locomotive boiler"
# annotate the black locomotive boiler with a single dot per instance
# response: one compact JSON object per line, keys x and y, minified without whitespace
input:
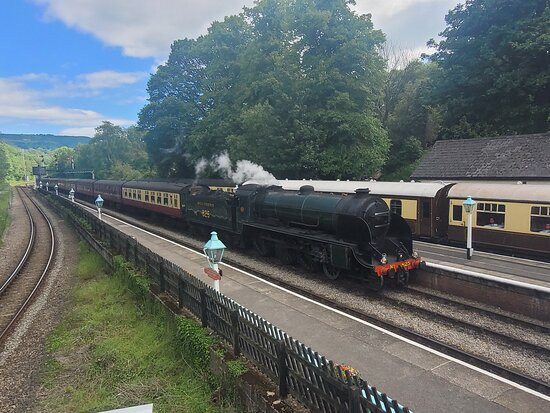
{"x":356,"y":234}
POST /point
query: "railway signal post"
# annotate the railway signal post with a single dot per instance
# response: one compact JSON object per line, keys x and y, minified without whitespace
{"x":99,"y":204}
{"x":56,"y":189}
{"x":469,"y":205}
{"x":213,"y":250}
{"x":71,"y":195}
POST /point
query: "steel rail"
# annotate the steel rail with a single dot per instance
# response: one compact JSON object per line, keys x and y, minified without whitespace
{"x":437,"y":345}
{"x":3,"y":333}
{"x":25,"y":256}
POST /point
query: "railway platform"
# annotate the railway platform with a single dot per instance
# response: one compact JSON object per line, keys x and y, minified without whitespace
{"x":502,"y":266}
{"x":421,"y":378}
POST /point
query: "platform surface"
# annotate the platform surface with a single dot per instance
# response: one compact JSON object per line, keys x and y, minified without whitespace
{"x":418,"y":378}
{"x":513,"y":268}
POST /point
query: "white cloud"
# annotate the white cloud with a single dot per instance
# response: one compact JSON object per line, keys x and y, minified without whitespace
{"x":108,"y":79}
{"x":19,"y":102}
{"x":143,"y":28}
{"x":86,"y":131}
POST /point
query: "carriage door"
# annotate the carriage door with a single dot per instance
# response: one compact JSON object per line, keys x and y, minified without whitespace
{"x":425,"y":217}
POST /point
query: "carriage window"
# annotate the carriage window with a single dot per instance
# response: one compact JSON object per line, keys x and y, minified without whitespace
{"x":490,"y":215}
{"x":457,"y":212}
{"x":158,"y":199}
{"x":540,"y":219}
{"x":426,"y":209}
{"x":395,"y":206}
{"x":139,"y":195}
{"x":146,"y":196}
{"x":165,"y":200}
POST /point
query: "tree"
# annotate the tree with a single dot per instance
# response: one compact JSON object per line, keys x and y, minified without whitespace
{"x":289,"y":84}
{"x":4,"y":163}
{"x":62,"y":159}
{"x":494,"y":59}
{"x":114,"y":153}
{"x":411,"y":119}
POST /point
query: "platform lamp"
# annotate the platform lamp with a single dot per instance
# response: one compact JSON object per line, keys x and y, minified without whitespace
{"x":213,"y":250}
{"x":71,"y":195}
{"x":99,"y":205}
{"x":469,"y":206}
{"x":56,"y":187}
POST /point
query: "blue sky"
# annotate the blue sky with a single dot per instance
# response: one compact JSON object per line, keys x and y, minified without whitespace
{"x":67,"y":65}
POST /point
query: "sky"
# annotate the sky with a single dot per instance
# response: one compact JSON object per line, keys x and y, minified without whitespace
{"x":68,"y":65}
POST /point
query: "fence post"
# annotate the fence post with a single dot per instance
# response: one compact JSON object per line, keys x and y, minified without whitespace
{"x":354,"y":399}
{"x":283,"y":369}
{"x":181,"y":289}
{"x":204,"y":309}
{"x":235,"y":332}
{"x":162,"y":281}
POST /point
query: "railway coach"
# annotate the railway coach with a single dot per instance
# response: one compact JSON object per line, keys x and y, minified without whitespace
{"x":510,"y":216}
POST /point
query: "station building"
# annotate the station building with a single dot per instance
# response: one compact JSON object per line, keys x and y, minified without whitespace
{"x":503,"y":159}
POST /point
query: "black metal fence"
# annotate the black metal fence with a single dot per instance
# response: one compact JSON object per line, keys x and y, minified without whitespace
{"x":296,"y":368}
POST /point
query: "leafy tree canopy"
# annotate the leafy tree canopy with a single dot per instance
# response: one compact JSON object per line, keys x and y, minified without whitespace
{"x":495,"y":63}
{"x":289,"y":84}
{"x":114,"y":153}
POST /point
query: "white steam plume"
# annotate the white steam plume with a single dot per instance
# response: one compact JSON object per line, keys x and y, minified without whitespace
{"x":244,"y":170}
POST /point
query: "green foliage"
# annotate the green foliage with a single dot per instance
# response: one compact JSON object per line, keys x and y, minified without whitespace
{"x":15,"y":163}
{"x":5,"y":165}
{"x":291,"y":85}
{"x":494,"y":60}
{"x":139,"y":284}
{"x":412,"y":121}
{"x":4,"y":204}
{"x":114,"y":153}
{"x":236,"y":368}
{"x":195,"y":342}
{"x":108,"y":353}
{"x":61,"y":159}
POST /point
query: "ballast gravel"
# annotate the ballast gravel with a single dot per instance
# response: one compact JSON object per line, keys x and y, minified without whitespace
{"x":344,"y":293}
{"x":16,"y":237}
{"x":23,"y":354}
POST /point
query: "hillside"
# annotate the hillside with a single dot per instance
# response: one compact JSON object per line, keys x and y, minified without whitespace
{"x":43,"y":141}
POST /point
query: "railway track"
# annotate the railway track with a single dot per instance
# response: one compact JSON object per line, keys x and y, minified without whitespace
{"x":20,"y":287}
{"x":424,"y":339}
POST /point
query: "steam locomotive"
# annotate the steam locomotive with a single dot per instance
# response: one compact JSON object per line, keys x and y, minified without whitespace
{"x":354,"y":234}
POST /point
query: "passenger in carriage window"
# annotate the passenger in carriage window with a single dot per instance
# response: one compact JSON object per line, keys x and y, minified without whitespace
{"x":546,"y":229}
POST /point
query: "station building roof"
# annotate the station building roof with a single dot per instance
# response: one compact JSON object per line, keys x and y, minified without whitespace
{"x":512,"y":158}
{"x":412,"y":189}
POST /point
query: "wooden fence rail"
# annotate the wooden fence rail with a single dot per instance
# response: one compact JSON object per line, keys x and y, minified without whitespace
{"x":296,"y":368}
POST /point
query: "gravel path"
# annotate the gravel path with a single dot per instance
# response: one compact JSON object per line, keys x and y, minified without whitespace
{"x":23,"y":352}
{"x":345,"y":292}
{"x":16,"y":237}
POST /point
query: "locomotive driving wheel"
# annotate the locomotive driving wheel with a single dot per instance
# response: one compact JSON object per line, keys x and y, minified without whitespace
{"x":330,"y":271}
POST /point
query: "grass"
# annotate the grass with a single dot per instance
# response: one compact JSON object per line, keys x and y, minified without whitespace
{"x":108,"y":352}
{"x":4,"y":203}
